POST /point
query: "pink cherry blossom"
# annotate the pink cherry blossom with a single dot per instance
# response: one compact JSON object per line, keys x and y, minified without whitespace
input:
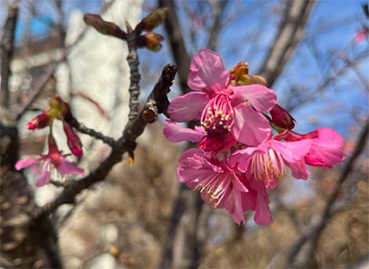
{"x":54,"y":159}
{"x":222,"y":186}
{"x":233,"y":112}
{"x":218,"y":183}
{"x":266,"y":163}
{"x":326,"y":146}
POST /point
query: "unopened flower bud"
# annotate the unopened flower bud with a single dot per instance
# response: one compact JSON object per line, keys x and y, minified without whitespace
{"x":40,"y":121}
{"x":250,"y":80}
{"x":59,"y":108}
{"x":242,"y":68}
{"x":104,"y":27}
{"x":153,"y":20}
{"x":73,"y":141}
{"x":150,"y":41}
{"x":240,"y":76}
{"x":281,"y":118}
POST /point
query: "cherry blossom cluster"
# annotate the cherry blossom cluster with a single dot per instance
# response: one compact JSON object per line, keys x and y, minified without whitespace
{"x":246,"y":142}
{"x":54,"y":162}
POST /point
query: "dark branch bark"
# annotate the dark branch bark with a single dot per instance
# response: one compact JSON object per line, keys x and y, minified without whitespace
{"x":133,"y":63}
{"x":7,"y":49}
{"x":289,"y":35}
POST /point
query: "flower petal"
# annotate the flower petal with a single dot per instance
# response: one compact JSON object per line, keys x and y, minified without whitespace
{"x":192,"y":167}
{"x":188,"y":107}
{"x":291,"y":151}
{"x":326,"y":150}
{"x":298,"y":169}
{"x":177,"y":133}
{"x":44,"y":178}
{"x":234,"y":205}
{"x":207,"y":72}
{"x":27,"y":162}
{"x":262,"y":211}
{"x":66,"y":167}
{"x":260,"y":97}
{"x":250,"y":127}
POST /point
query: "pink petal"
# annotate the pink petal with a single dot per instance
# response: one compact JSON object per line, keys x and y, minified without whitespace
{"x":242,"y":157}
{"x":188,"y":107}
{"x":177,"y":133}
{"x":27,"y":162}
{"x":262,"y":212}
{"x":260,"y":97}
{"x":43,"y":179}
{"x":326,"y":150}
{"x":250,"y":127}
{"x":234,"y":206}
{"x":66,"y":167}
{"x":298,"y":169}
{"x":207,"y":72}
{"x":192,"y":167}
{"x":291,"y":151}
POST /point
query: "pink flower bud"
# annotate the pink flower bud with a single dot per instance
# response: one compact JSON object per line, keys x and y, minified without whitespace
{"x":40,"y":121}
{"x":282,"y":118}
{"x":153,"y":20}
{"x":73,"y":141}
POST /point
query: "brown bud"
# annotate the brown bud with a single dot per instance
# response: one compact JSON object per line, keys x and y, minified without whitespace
{"x":104,"y":27}
{"x":153,"y":20}
{"x":150,"y":41}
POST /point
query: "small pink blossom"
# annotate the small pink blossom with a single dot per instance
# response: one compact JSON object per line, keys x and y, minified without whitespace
{"x":218,"y":183}
{"x":223,"y":109}
{"x":222,"y":186}
{"x":326,"y":146}
{"x":266,"y":163}
{"x":54,"y":159}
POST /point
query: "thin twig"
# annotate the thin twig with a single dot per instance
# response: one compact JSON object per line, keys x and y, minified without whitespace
{"x":290,"y":34}
{"x":134,"y":88}
{"x":126,"y":143}
{"x":327,"y":81}
{"x":91,"y":132}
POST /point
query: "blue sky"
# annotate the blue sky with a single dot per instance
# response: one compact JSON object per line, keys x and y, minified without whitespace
{"x":247,"y":38}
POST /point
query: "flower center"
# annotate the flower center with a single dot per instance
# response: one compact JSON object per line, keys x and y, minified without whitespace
{"x":215,"y":187}
{"x":268,"y":166}
{"x":217,"y":117}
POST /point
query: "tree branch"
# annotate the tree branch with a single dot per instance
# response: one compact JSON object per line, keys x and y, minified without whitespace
{"x":7,"y":49}
{"x":126,"y":143}
{"x":290,"y":34}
